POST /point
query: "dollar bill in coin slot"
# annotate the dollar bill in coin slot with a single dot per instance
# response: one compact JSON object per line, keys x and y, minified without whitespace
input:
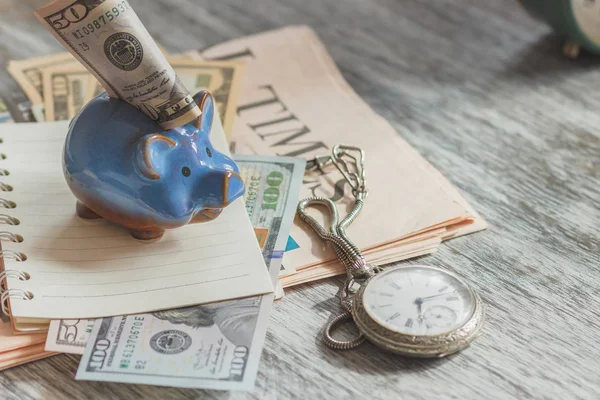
{"x":108,"y":38}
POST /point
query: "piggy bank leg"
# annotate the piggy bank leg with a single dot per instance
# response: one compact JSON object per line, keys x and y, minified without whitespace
{"x":149,"y":235}
{"x":85,"y":212}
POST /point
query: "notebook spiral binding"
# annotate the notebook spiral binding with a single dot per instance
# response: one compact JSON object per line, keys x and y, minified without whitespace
{"x":14,"y":293}
{"x":6,"y":293}
{"x":11,"y":273}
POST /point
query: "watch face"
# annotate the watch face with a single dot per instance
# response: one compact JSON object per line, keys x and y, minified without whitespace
{"x":418,"y":300}
{"x":587,"y":15}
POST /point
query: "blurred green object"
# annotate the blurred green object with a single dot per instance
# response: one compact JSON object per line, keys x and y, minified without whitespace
{"x":578,"y":20}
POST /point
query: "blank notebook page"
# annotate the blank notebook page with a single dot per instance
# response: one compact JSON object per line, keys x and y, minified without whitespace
{"x":90,"y":269}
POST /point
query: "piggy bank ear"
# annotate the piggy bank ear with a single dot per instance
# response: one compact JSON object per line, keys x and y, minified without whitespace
{"x":206,"y":103}
{"x":151,"y":155}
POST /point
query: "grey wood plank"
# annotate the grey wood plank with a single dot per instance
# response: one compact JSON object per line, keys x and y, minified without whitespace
{"x":482,"y":91}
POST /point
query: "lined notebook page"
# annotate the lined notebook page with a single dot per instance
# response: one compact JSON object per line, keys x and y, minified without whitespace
{"x":90,"y":269}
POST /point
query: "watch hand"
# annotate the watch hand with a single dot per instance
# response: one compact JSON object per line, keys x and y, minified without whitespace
{"x":436,"y":295}
{"x":419,"y":303}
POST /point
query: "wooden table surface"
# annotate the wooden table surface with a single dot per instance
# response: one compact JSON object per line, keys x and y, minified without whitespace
{"x":483,"y":92}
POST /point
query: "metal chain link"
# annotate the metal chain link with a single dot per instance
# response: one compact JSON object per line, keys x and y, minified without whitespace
{"x":346,"y":251}
{"x":352,"y":168}
{"x":336,"y":344}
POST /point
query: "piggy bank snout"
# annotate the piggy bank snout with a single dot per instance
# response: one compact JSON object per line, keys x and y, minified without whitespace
{"x":234,"y":187}
{"x":219,"y":189}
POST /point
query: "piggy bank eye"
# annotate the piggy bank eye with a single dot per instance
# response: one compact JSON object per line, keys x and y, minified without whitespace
{"x":208,"y":152}
{"x":186,"y":171}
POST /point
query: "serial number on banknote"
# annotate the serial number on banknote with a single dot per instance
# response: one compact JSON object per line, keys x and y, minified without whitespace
{"x":131,"y":343}
{"x":78,"y":12}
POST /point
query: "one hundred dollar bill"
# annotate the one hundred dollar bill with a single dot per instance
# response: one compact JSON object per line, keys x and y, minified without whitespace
{"x":272,"y":186}
{"x":108,"y":38}
{"x":212,"y":346}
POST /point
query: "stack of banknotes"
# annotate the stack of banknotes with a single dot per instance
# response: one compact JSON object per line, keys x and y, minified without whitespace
{"x":282,"y":102}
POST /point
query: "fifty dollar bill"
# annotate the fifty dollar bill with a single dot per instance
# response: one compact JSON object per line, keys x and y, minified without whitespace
{"x":108,"y":38}
{"x":214,"y":346}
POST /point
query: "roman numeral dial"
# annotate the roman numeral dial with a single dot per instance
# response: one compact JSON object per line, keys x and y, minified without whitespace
{"x":418,"y":300}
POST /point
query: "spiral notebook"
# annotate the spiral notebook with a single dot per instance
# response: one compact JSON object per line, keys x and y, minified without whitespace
{"x":56,"y":265}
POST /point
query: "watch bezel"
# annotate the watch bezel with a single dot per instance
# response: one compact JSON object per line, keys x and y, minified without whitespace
{"x":418,"y":345}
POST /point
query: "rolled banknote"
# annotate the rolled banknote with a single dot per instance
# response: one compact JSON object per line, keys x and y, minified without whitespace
{"x":108,"y":38}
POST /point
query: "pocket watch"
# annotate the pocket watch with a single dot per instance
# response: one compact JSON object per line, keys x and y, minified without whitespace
{"x":418,"y":310}
{"x":412,"y":310}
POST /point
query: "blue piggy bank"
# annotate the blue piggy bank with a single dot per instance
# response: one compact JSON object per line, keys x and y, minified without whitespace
{"x":123,"y":167}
